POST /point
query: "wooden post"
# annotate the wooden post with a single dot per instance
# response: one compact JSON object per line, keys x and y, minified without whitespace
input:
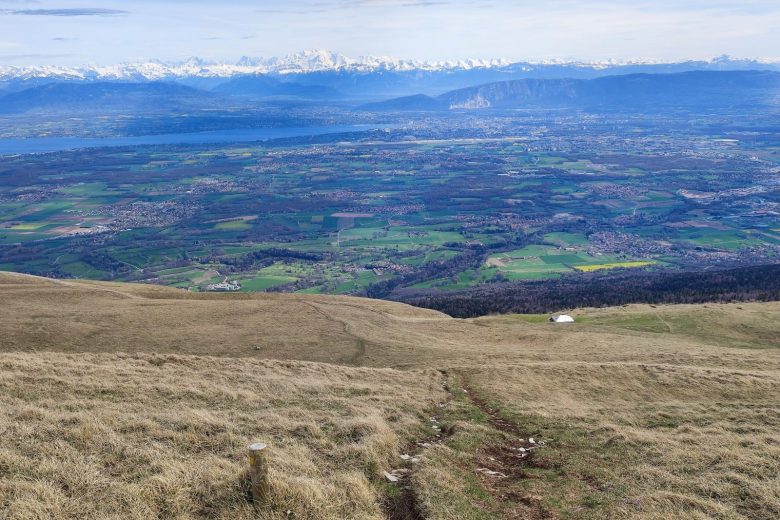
{"x":258,"y":470}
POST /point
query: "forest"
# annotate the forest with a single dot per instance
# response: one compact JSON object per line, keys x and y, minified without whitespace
{"x":757,"y":283}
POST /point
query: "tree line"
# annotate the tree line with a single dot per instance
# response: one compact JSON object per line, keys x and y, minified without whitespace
{"x":756,"y":283}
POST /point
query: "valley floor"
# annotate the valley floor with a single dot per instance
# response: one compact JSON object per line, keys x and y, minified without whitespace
{"x":129,"y":401}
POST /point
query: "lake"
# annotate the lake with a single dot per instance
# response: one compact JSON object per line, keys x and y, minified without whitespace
{"x":241,"y":135}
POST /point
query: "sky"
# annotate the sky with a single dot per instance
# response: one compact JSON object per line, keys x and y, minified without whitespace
{"x":81,"y":32}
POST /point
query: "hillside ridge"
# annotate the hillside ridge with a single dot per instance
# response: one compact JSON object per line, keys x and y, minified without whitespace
{"x":147,"y":396}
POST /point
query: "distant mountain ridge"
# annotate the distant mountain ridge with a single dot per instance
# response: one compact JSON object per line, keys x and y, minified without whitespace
{"x":103,"y":95}
{"x":319,"y":61}
{"x":687,"y":89}
{"x":693,"y":90}
{"x":298,"y":63}
{"x":263,"y":86}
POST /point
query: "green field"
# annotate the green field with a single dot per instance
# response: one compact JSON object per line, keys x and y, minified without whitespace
{"x":233,"y":225}
{"x":349,"y":217}
{"x":541,"y":261}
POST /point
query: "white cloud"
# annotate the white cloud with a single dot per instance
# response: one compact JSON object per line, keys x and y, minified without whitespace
{"x":426,"y":29}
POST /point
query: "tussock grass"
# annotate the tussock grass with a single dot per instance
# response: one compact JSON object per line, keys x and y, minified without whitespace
{"x":138,"y":402}
{"x":646,"y":441}
{"x":144,"y":436}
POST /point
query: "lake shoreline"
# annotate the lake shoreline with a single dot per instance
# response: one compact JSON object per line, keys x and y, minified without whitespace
{"x":36,"y":145}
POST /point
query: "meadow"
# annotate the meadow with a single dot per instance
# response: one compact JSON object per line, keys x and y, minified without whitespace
{"x":138,"y":401}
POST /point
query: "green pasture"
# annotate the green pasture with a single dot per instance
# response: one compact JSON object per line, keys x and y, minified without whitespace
{"x":233,"y":225}
{"x":540,"y":261}
{"x":572,"y":239}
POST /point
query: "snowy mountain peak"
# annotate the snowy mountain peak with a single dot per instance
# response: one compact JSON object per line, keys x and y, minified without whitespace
{"x":316,"y":61}
{"x":298,"y":63}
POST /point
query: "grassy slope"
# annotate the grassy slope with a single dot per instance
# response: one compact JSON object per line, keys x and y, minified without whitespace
{"x":647,"y":412}
{"x":141,"y":436}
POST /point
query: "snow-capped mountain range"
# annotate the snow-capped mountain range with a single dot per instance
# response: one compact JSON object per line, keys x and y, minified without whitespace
{"x":322,"y":61}
{"x":298,"y":63}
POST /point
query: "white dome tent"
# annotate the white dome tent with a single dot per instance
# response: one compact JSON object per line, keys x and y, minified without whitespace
{"x":562,"y":318}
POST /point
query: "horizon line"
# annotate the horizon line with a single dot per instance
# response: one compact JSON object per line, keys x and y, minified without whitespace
{"x":361,"y":60}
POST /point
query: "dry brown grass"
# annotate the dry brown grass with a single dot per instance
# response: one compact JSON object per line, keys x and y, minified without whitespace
{"x":82,"y":316}
{"x":649,"y":441}
{"x":650,"y":412}
{"x":142,"y":436}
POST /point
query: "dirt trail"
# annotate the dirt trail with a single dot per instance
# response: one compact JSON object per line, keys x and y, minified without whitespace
{"x":360,"y":343}
{"x":495,"y":420}
{"x":505,"y":466}
{"x":97,"y":287}
{"x":662,"y":320}
{"x":403,"y":503}
{"x":500,"y":468}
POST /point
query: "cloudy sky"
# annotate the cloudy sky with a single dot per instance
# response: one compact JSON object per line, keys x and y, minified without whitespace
{"x":73,"y":32}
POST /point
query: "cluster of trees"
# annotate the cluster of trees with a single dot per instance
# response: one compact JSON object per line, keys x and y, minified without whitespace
{"x":103,"y":261}
{"x":264,"y":258}
{"x":471,"y":256}
{"x":469,"y":259}
{"x":757,"y":283}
